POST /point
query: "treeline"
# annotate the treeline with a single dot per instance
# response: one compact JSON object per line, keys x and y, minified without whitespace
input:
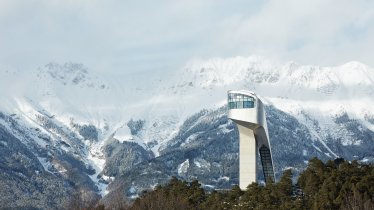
{"x":337,"y":184}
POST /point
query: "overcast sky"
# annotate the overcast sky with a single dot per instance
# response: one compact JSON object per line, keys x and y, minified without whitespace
{"x":140,"y":35}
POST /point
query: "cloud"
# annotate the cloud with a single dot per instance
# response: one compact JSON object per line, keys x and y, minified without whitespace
{"x":131,"y":36}
{"x":315,"y":32}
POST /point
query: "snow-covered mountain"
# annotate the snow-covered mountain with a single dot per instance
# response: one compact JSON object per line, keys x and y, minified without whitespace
{"x":104,"y":133}
{"x":309,"y":93}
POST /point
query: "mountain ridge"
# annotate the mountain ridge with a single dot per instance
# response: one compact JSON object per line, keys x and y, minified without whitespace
{"x":84,"y":128}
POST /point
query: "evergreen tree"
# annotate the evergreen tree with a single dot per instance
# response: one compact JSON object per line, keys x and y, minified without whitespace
{"x":337,"y":184}
{"x":214,"y":201}
{"x":284,"y":190}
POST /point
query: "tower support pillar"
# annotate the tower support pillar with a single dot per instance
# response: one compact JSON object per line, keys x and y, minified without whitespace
{"x":247,"y":154}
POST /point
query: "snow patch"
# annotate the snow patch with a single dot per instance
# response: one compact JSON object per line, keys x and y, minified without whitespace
{"x":96,"y":159}
{"x":305,"y":153}
{"x":225,"y":178}
{"x":223,"y":128}
{"x":201,"y":163}
{"x":183,"y":168}
{"x":46,"y":165}
{"x":191,"y":138}
{"x":367,"y":160}
{"x":209,"y":186}
{"x":3,"y":143}
{"x":123,"y":133}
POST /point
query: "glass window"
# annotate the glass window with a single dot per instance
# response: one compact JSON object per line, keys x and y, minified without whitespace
{"x":240,"y":101}
{"x":239,"y":105}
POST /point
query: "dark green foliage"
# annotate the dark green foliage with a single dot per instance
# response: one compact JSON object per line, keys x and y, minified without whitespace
{"x":122,"y":157}
{"x":175,"y":195}
{"x":88,"y":132}
{"x":335,"y":184}
{"x":338,"y":185}
{"x":214,"y":201}
{"x":23,"y":180}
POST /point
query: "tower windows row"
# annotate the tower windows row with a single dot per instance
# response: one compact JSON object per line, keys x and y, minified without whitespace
{"x":240,"y":101}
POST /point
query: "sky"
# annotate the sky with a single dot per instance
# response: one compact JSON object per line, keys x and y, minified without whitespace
{"x":138,"y":36}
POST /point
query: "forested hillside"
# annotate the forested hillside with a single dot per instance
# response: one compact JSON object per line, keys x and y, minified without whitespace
{"x":335,"y":184}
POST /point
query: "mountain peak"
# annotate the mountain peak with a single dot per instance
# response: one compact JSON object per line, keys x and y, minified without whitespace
{"x":67,"y":73}
{"x":354,"y":65}
{"x":70,"y":74}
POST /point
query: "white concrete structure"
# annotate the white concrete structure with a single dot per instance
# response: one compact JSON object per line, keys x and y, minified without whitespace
{"x":247,"y":111}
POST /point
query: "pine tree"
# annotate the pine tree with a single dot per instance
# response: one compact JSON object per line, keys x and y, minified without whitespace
{"x":284,"y":190}
{"x":214,"y":201}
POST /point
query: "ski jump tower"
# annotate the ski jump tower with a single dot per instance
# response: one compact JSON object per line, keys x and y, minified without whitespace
{"x":247,"y":111}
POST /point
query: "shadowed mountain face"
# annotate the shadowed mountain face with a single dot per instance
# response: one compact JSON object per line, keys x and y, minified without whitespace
{"x":206,"y":148}
{"x":37,"y":172}
{"x":64,"y":126}
{"x":23,"y":180}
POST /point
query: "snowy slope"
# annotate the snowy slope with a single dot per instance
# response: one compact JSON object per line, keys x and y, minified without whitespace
{"x":64,"y":101}
{"x":71,"y":93}
{"x":310,"y":93}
